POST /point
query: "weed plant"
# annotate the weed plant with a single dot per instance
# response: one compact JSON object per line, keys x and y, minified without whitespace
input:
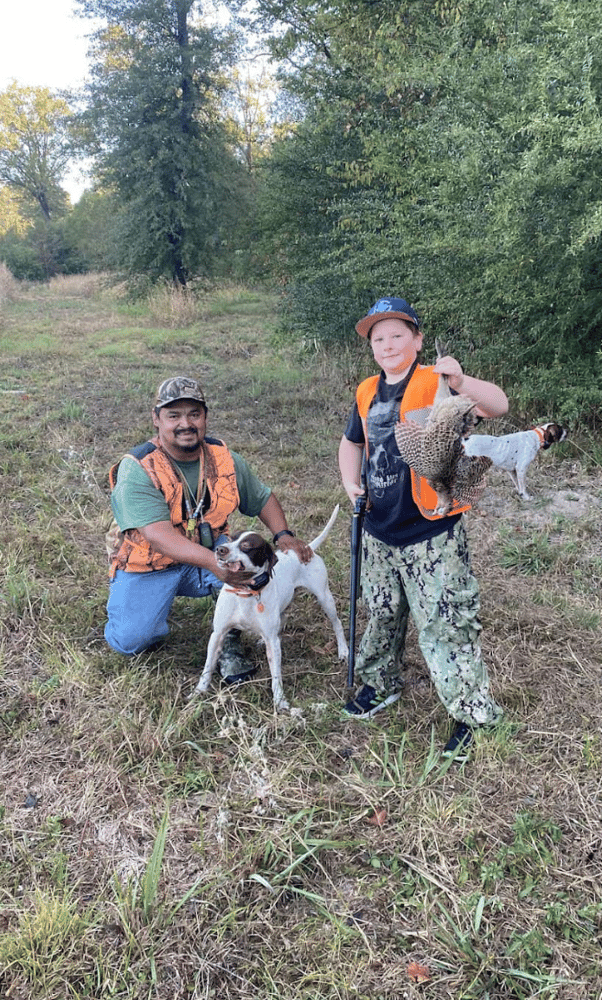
{"x":156,"y":848}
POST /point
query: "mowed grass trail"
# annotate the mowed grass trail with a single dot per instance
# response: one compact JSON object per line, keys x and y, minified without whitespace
{"x":155,"y":848}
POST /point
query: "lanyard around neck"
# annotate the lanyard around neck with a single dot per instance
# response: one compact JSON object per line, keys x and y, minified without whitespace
{"x":194,"y":504}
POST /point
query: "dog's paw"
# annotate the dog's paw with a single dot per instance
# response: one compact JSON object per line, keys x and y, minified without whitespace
{"x":201,"y":688}
{"x":282,"y":706}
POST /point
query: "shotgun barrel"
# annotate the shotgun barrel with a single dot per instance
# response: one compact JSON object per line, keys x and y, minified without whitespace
{"x":356,"y":565}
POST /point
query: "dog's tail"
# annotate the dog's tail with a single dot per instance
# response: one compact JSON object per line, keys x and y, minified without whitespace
{"x":326,"y":531}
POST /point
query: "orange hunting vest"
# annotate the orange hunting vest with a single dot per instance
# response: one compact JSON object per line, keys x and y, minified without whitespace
{"x":132,"y":552}
{"x":419,"y":396}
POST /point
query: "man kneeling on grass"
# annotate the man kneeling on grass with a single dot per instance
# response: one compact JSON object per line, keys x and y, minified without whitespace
{"x":171,"y":499}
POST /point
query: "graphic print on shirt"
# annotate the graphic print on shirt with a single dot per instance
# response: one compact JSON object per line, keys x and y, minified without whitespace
{"x":385,"y":464}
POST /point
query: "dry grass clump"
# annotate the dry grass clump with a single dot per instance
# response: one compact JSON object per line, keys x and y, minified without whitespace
{"x":9,"y":285}
{"x":156,"y":848}
{"x":77,"y":285}
{"x":172,"y":306}
{"x":175,"y":307}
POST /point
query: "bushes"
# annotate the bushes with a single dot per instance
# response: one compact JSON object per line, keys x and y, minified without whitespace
{"x":571,"y":393}
{"x":42,"y":252}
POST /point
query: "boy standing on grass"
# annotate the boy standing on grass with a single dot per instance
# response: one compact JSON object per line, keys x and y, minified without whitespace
{"x":413,"y":560}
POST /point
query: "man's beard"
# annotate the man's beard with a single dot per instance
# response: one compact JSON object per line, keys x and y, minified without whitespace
{"x":188,"y":447}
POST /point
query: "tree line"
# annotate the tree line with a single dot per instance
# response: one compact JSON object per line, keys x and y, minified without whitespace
{"x":446,"y":150}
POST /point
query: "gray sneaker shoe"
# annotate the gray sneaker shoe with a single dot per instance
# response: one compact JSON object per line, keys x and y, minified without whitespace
{"x":232,"y":663}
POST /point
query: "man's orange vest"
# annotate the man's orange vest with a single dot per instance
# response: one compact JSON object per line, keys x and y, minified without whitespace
{"x":416,"y":404}
{"x":132,"y":552}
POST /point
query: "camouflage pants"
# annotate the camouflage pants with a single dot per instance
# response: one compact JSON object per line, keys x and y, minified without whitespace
{"x":432,"y":581}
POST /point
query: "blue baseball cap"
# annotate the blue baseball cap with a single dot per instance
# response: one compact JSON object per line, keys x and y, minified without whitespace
{"x":387,"y":309}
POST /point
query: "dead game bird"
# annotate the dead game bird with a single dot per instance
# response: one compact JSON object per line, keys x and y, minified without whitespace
{"x":435,"y":450}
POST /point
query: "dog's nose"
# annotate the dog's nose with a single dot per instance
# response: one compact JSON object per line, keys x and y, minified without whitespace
{"x":222,"y":550}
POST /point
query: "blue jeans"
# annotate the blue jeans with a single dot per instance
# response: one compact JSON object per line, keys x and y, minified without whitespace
{"x":139,"y":603}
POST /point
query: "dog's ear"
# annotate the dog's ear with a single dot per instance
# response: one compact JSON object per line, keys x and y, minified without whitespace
{"x":559,"y":432}
{"x":265,"y":555}
{"x":259,"y":551}
{"x":552,"y":434}
{"x":273,"y":558}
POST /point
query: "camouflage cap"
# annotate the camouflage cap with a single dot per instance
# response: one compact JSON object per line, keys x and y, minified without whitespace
{"x":178,"y":387}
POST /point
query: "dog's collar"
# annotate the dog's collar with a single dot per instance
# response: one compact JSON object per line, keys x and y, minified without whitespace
{"x":253,"y":588}
{"x":261,"y":581}
{"x":540,"y":435}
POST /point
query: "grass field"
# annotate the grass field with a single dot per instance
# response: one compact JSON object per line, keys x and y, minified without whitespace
{"x":155,"y":848}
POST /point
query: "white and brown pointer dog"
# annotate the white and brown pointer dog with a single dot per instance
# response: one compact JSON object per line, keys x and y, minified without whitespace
{"x":259,"y":609}
{"x":515,"y":452}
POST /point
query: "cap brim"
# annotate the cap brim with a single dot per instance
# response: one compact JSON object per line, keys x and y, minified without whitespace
{"x":178,"y":399}
{"x":365,"y":325}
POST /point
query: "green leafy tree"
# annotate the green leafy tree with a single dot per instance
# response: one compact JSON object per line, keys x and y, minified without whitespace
{"x":88,"y":230}
{"x":247,"y":102}
{"x":37,"y":142}
{"x":11,"y":217}
{"x":35,"y":145}
{"x":154,"y":125}
{"x":461,"y":168}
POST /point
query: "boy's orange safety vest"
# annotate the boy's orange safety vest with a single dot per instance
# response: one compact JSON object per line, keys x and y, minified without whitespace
{"x":416,"y":403}
{"x":132,"y":552}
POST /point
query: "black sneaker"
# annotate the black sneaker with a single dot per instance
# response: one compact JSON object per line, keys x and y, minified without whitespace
{"x":154,"y":646}
{"x":458,"y":745}
{"x":233,"y":680}
{"x":368,"y":702}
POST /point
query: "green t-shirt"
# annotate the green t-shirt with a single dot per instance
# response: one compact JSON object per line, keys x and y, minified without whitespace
{"x":136,"y":502}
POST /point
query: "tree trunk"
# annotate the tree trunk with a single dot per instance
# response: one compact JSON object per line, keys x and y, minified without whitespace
{"x":43,"y":203}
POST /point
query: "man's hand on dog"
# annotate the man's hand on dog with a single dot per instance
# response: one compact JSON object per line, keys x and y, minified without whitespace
{"x":233,"y":577}
{"x":303,"y":551}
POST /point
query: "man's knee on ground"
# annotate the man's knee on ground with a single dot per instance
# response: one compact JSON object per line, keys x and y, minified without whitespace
{"x":130,"y":641}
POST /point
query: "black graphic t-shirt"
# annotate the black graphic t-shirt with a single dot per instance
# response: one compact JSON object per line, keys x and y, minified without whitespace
{"x":392,"y":516}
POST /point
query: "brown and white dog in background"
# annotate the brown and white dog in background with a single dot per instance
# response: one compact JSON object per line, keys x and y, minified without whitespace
{"x":515,"y":452}
{"x":259,"y":608}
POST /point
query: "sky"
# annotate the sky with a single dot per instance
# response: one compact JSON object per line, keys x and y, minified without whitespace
{"x":42,"y":44}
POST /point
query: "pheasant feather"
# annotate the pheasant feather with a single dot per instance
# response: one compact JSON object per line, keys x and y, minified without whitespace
{"x":435,"y":451}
